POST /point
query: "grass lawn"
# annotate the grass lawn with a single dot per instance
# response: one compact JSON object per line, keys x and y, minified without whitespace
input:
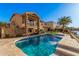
{"x":53,"y":32}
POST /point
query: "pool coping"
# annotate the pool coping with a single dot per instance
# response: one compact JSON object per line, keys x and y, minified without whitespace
{"x":30,"y":36}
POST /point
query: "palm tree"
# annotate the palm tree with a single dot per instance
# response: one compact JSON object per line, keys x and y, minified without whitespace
{"x":64,"y":21}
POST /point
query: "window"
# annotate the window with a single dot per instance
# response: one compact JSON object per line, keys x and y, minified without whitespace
{"x":30,"y":29}
{"x":31,"y":22}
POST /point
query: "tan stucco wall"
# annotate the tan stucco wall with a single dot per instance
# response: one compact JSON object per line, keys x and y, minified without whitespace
{"x":2,"y":32}
{"x":51,"y":25}
{"x":17,"y":19}
{"x":42,"y":25}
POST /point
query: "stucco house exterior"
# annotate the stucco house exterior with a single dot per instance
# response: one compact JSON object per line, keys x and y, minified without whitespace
{"x":25,"y":24}
{"x":50,"y":26}
{"x":42,"y":25}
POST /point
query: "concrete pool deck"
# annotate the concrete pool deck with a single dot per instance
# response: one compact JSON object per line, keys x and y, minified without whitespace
{"x":8,"y":48}
{"x":67,"y":40}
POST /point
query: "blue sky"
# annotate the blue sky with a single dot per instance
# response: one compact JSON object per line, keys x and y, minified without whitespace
{"x":46,"y":12}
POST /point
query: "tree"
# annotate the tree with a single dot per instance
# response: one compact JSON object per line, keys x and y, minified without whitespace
{"x":2,"y":30}
{"x":2,"y":23}
{"x":64,"y":21}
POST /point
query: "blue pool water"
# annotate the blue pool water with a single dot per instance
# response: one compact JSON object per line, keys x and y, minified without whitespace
{"x":42,"y":45}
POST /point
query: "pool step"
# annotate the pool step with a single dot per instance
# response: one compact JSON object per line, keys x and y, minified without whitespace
{"x":65,"y":52}
{"x":76,"y":50}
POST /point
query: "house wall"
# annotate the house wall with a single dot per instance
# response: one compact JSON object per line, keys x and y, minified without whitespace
{"x":51,"y":25}
{"x":31,"y":22}
{"x":42,"y":25}
{"x":2,"y":32}
{"x":7,"y":31}
{"x":16,"y":21}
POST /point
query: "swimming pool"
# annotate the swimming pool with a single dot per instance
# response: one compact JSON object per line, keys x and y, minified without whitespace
{"x":41,"y":45}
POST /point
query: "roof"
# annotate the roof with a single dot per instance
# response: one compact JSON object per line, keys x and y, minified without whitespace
{"x":29,"y":13}
{"x":14,"y":15}
{"x":50,"y":22}
{"x":26,"y":13}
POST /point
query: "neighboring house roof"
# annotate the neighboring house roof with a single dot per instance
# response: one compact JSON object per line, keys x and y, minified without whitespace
{"x":42,"y":21}
{"x":50,"y":22}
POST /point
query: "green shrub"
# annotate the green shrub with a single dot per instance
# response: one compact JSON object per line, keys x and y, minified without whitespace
{"x":53,"y":32}
{"x":42,"y":31}
{"x":19,"y":35}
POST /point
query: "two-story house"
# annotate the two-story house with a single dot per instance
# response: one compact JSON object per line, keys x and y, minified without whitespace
{"x":25,"y":24}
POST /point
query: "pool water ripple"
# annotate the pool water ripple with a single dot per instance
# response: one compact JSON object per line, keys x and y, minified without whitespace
{"x":38,"y":45}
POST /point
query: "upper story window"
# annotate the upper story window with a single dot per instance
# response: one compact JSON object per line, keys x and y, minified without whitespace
{"x":31,"y":22}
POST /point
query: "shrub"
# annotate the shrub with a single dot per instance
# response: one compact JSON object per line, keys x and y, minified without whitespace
{"x":19,"y":35}
{"x":42,"y":31}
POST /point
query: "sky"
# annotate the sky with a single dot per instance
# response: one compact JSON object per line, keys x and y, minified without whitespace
{"x":46,"y":11}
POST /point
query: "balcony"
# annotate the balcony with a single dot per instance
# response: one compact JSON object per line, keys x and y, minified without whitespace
{"x":32,"y":25}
